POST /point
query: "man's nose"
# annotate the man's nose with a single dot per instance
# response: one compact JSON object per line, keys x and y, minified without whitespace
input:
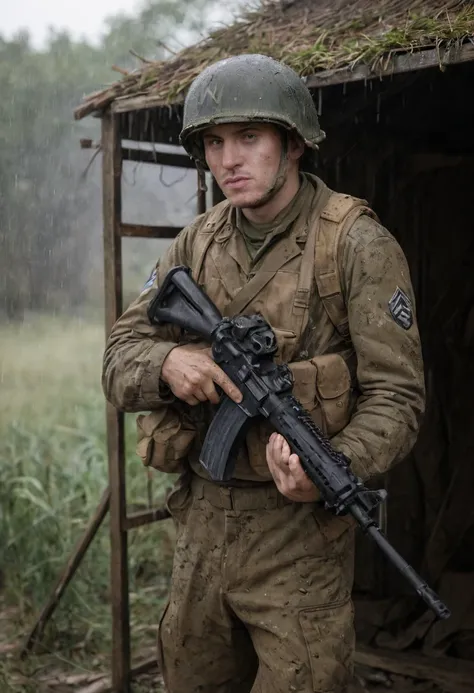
{"x":230,"y":155}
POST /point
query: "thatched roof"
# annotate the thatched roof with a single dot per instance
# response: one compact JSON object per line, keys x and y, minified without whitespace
{"x":309,"y":35}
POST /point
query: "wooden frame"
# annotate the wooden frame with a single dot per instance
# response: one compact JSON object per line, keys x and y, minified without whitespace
{"x":114,"y":497}
{"x":120,"y":522}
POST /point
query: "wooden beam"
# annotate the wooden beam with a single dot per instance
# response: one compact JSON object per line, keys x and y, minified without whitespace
{"x":65,"y":578}
{"x":112,"y":209}
{"x":147,"y":156}
{"x":451,"y":674}
{"x":142,"y":231}
{"x":217,"y":194}
{"x":145,"y":517}
{"x":201,"y":192}
{"x":137,"y":103}
{"x":406,"y":62}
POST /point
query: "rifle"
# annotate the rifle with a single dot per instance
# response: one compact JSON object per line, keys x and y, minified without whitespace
{"x":244,"y":347}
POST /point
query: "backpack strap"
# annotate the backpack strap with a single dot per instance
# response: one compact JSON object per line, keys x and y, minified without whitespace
{"x":336,"y":220}
{"x":216,"y":219}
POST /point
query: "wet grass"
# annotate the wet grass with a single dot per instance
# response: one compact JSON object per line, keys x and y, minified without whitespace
{"x":53,"y":471}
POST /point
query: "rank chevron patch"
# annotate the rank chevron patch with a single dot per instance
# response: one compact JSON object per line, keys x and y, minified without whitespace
{"x":401,"y":309}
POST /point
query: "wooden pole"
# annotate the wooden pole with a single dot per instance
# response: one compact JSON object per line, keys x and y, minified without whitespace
{"x":112,"y":208}
{"x":93,"y":525}
{"x":201,"y":191}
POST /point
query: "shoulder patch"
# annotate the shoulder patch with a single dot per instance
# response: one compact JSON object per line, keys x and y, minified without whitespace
{"x":401,"y":309}
{"x":150,"y":281}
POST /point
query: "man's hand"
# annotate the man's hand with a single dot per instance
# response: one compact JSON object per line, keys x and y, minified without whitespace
{"x":288,"y":473}
{"x":192,"y":374}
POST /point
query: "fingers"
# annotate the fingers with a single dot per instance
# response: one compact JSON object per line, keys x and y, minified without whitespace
{"x":287,"y":472}
{"x":192,"y":376}
{"x":297,"y":472}
{"x":278,"y":453}
{"x":224,"y":382}
{"x":209,"y":392}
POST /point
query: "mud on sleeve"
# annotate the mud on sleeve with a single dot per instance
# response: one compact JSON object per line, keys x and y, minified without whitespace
{"x":382,"y":321}
{"x":135,"y":349}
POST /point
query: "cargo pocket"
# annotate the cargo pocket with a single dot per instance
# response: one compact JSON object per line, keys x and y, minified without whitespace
{"x":180,"y":498}
{"x":333,"y":385}
{"x":163,"y":439}
{"x":328,"y":631}
{"x":323,"y":386}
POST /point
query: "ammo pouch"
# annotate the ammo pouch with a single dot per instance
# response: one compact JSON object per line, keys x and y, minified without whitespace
{"x":323,"y":386}
{"x":164,"y":438}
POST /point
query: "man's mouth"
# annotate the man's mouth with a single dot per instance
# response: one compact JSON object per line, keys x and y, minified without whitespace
{"x":235,"y":182}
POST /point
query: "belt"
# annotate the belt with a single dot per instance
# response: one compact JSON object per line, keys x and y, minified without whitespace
{"x":266,"y":497}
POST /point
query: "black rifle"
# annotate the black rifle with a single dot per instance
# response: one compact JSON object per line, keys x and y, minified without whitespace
{"x":244,"y":347}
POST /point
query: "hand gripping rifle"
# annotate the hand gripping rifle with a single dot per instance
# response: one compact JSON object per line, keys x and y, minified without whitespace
{"x":244,"y":347}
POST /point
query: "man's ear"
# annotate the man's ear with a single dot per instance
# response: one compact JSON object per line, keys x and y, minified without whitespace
{"x":296,"y":146}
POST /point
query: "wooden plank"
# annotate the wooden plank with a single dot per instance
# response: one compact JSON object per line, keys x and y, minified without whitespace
{"x":201,"y":192}
{"x":112,"y":173}
{"x":65,"y":578}
{"x":145,"y":517}
{"x":452,"y":675}
{"x":217,"y":194}
{"x":406,"y":62}
{"x":147,"y":156}
{"x":143,"y":231}
{"x":135,"y":103}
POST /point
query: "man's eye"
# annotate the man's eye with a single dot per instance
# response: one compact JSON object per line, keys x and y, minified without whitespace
{"x":250,"y":136}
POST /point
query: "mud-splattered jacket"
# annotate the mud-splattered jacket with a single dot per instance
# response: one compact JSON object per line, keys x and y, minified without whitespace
{"x":365,"y":387}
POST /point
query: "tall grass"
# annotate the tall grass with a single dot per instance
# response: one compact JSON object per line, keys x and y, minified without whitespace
{"x":53,"y":471}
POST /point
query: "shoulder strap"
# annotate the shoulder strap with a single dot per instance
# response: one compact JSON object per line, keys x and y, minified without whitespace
{"x":336,"y":219}
{"x":216,"y":218}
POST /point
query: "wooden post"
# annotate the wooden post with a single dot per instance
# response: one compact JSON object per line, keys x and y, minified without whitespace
{"x":112,"y":208}
{"x":201,"y":191}
{"x":217,"y":195}
{"x":65,"y":578}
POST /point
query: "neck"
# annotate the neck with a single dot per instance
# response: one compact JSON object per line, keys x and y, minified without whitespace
{"x":271,"y":209}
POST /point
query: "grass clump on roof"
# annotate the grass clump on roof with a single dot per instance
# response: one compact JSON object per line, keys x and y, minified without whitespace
{"x":309,"y":36}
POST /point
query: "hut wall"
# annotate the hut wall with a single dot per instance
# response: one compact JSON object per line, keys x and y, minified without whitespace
{"x":408,"y":147}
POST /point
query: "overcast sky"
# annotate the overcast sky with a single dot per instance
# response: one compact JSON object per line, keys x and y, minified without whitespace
{"x":80,"y":17}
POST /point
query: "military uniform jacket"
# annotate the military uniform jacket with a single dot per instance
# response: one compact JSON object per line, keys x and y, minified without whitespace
{"x":360,"y":376}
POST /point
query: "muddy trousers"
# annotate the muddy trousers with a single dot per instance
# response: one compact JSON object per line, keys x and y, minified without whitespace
{"x":260,"y":594}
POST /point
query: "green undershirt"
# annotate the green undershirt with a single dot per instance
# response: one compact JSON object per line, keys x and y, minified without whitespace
{"x":256,"y":236}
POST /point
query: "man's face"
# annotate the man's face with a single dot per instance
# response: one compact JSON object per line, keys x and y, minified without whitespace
{"x":244,"y":158}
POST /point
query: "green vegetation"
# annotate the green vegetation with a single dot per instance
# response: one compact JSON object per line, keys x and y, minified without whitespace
{"x":53,"y":471}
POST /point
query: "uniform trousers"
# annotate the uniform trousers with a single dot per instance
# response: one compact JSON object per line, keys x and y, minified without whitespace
{"x":260,"y":597}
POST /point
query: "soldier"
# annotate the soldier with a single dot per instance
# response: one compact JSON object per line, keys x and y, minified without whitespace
{"x":261,"y":587}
